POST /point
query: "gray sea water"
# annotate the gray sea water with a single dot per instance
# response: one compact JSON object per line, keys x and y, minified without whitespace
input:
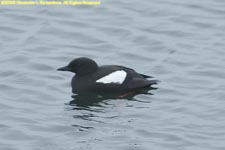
{"x":180,"y":43}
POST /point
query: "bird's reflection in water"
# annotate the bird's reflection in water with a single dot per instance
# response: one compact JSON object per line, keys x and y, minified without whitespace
{"x":86,"y":101}
{"x":92,"y":106}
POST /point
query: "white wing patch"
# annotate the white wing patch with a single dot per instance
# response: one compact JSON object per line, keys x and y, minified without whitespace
{"x":115,"y":77}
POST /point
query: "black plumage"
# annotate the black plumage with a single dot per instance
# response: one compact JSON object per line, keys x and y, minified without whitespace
{"x":88,"y":74}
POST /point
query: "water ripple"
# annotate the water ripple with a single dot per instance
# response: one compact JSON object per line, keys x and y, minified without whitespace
{"x":180,"y":43}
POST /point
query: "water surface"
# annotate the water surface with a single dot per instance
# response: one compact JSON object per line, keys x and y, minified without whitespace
{"x":179,"y":43}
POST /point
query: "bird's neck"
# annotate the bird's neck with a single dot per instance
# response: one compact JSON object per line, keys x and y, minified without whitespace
{"x":86,"y":71}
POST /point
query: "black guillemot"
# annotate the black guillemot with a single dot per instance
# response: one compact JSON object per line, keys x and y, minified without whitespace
{"x":91,"y":78}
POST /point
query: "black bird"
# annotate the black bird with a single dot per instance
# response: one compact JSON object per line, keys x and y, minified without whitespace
{"x":91,"y":78}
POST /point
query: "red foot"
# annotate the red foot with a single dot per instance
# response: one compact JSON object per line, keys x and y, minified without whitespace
{"x":126,"y":94}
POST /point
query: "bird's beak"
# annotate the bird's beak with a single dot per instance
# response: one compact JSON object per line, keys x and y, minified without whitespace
{"x":66,"y":68}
